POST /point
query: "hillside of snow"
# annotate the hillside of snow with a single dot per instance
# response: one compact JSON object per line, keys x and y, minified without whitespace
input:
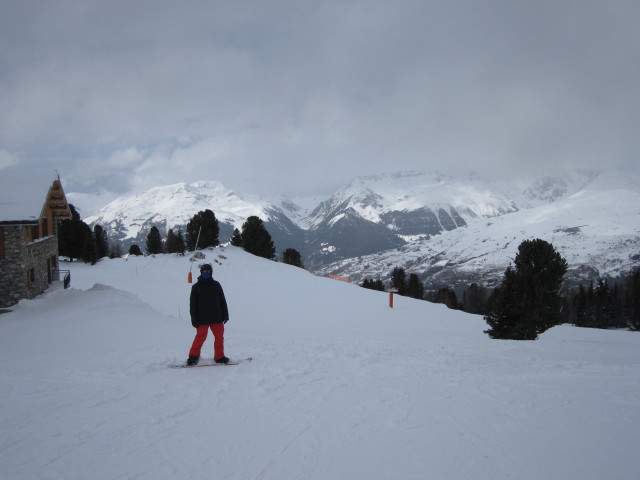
{"x":596,"y":229}
{"x":340,"y":386}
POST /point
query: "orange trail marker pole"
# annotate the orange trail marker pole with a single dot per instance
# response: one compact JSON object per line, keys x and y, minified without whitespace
{"x":391,"y":292}
{"x":338,"y":278}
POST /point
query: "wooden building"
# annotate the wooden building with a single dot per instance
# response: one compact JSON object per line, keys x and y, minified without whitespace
{"x":30,"y":206}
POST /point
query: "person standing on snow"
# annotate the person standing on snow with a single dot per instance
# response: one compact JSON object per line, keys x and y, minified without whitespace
{"x":208,"y":309}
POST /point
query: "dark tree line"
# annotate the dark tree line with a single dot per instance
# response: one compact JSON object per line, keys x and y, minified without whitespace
{"x":154,"y":245}
{"x":601,"y":305}
{"x":474,"y":299}
{"x":373,"y":284}
{"x":530,"y":299}
{"x":201,"y":232}
{"x":77,"y":241}
{"x":411,"y":287}
{"x":527,"y":303}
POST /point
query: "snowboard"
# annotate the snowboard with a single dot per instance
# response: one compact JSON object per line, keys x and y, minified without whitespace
{"x":210,"y":362}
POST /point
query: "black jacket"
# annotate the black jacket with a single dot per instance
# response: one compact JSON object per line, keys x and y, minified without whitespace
{"x":207,"y":304}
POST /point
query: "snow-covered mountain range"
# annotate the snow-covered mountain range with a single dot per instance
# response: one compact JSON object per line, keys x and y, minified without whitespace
{"x":169,"y":206}
{"x":447,"y":230}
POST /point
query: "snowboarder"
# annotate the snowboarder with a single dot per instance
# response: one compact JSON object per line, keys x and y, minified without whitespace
{"x":208,"y":309}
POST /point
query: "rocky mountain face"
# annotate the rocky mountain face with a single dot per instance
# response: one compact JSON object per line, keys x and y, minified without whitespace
{"x":447,"y":230}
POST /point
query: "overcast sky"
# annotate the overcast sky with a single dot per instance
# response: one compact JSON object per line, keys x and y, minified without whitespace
{"x":299,"y":96}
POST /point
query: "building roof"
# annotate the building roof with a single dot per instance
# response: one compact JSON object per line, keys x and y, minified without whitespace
{"x":23,"y":194}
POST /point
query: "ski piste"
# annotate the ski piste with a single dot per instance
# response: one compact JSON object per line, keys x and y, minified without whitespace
{"x":210,"y":362}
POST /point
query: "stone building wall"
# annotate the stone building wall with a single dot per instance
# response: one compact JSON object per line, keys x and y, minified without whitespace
{"x":26,"y":269}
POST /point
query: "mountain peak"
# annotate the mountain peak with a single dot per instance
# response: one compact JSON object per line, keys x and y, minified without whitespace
{"x":168,"y":206}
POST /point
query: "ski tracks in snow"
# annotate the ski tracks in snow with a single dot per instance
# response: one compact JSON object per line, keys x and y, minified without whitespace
{"x":309,"y":416}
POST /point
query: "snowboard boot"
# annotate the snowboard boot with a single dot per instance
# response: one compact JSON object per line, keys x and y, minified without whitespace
{"x":222,"y":360}
{"x":192,"y":360}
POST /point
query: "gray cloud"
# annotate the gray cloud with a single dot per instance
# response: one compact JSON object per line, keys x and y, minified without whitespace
{"x":298,"y":97}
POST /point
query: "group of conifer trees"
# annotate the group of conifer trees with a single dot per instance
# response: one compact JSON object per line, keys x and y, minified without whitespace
{"x":203,"y":231}
{"x":601,"y":305}
{"x":76,"y":240}
{"x":475,"y":298}
{"x":530,"y":298}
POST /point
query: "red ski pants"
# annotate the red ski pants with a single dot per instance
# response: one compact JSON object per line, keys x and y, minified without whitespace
{"x":201,"y":335}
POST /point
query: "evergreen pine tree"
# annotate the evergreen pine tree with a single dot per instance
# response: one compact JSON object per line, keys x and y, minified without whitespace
{"x":170,"y":242}
{"x":632,"y":301}
{"x":115,"y":250}
{"x":135,"y":250}
{"x":73,"y":236}
{"x":603,"y":305}
{"x":89,"y":254}
{"x":398,"y":277}
{"x":206,"y":225}
{"x":446,"y":296}
{"x":174,"y":242}
{"x":528,"y":301}
{"x":181,"y":246}
{"x":474,"y":299}
{"x":581,"y":307}
{"x":415,"y":289}
{"x":617,"y":307}
{"x":154,"y":241}
{"x":503,"y":316}
{"x":236,"y":238}
{"x":292,"y":257}
{"x":449,"y":298}
{"x":590,"y":313}
{"x":256,"y":239}
{"x":102,"y":244}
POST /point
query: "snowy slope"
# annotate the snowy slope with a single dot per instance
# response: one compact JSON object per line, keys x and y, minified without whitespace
{"x":596,"y":228}
{"x":341,"y":386}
